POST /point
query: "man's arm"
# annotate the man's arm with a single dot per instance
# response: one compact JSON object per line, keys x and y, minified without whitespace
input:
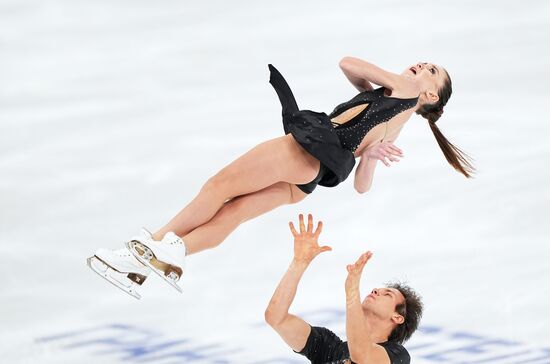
{"x":362,"y":348}
{"x":292,"y":329}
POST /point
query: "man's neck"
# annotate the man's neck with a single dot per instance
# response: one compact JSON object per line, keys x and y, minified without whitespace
{"x":380,"y":330}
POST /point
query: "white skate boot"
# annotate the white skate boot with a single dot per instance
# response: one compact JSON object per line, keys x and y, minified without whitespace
{"x":168,"y":253}
{"x":120,"y":268}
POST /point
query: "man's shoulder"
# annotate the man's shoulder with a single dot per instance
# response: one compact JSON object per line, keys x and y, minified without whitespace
{"x":323,"y":331}
{"x":396,"y":352}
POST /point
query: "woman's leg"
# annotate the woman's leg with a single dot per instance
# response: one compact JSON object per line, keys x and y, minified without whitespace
{"x":239,"y":210}
{"x":277,"y":160}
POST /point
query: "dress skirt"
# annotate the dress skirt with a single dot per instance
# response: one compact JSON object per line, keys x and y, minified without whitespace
{"x":314,"y":132}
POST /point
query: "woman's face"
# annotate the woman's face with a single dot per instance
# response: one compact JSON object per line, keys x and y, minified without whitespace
{"x":430,"y":77}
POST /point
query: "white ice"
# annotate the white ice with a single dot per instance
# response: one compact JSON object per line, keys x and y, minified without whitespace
{"x":114,"y":113}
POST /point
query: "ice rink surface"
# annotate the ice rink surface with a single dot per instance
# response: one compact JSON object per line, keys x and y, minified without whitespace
{"x":114,"y":113}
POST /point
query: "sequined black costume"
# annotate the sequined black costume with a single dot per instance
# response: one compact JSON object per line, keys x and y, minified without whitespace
{"x":380,"y":109}
{"x":333,"y":145}
{"x":325,"y":347}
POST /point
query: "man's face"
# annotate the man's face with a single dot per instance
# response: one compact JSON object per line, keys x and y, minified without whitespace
{"x":382,"y":302}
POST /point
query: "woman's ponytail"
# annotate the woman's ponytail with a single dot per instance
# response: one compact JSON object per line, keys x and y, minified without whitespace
{"x":432,"y":112}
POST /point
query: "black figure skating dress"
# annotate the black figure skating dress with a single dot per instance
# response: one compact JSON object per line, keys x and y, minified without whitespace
{"x":332,"y":144}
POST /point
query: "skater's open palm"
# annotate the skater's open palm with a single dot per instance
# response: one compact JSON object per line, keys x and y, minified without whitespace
{"x":306,"y":247}
{"x":355,"y":271}
{"x":385,"y":152}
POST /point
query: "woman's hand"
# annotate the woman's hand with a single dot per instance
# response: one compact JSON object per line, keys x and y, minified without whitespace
{"x":355,"y":271}
{"x":383,"y":151}
{"x":305,"y":242}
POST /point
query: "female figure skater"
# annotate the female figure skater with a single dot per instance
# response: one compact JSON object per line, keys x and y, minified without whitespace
{"x":317,"y":149}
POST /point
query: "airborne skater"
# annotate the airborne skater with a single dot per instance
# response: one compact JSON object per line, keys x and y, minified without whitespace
{"x":317,"y":149}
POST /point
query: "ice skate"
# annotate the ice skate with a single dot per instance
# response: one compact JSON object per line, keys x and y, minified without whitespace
{"x":165,"y":257}
{"x":120,"y":268}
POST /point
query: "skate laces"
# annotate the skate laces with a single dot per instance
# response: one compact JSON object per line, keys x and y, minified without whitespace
{"x":172,"y":239}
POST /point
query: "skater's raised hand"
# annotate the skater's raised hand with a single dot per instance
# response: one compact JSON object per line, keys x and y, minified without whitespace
{"x":385,"y":151}
{"x":355,"y":270}
{"x":306,"y":246}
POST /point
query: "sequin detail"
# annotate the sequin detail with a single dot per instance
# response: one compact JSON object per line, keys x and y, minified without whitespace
{"x":379,"y":110}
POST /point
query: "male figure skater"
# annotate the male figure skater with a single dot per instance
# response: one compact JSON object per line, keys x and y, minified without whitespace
{"x":375,"y":328}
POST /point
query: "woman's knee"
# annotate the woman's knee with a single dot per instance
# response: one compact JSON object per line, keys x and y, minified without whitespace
{"x":214,"y":187}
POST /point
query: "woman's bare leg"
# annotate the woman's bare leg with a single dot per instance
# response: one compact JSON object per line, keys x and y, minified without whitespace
{"x":235,"y":212}
{"x":239,"y":210}
{"x":277,"y":160}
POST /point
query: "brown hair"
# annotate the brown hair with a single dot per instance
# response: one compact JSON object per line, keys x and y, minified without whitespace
{"x":432,"y":112}
{"x":411,"y":310}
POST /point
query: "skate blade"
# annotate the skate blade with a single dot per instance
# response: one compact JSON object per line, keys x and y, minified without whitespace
{"x":131,"y":247}
{"x":117,"y":279}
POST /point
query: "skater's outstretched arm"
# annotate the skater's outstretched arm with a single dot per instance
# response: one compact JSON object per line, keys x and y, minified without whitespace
{"x":362,"y":347}
{"x":385,"y":152}
{"x":356,"y":69}
{"x":292,"y":329}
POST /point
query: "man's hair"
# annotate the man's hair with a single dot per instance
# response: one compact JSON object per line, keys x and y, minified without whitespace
{"x":411,"y":310}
